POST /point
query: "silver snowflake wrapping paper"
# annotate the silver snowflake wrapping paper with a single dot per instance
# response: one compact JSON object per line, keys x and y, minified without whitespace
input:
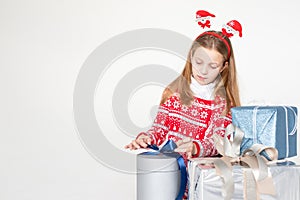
{"x":204,"y":184}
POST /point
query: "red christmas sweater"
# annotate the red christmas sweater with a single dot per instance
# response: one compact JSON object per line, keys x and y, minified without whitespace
{"x":198,"y":121}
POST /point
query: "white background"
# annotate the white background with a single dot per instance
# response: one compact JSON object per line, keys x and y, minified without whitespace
{"x":43,"y":45}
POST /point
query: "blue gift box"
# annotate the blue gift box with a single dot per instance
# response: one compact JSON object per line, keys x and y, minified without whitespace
{"x":274,"y":126}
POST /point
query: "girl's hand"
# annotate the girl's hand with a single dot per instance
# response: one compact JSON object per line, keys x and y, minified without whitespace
{"x":141,"y":141}
{"x":186,"y":146}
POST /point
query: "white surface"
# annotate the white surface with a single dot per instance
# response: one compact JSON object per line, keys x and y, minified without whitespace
{"x":44,"y":44}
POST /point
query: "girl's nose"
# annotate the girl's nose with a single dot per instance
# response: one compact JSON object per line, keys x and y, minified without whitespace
{"x":204,"y":70}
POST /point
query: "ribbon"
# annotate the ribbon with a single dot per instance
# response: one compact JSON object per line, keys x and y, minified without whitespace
{"x":223,"y":169}
{"x":168,"y":150}
{"x":287,"y":128}
{"x":257,"y":178}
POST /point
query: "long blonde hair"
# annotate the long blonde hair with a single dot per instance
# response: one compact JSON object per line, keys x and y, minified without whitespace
{"x":226,"y":87}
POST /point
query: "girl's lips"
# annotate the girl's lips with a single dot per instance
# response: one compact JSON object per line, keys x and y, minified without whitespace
{"x":201,"y":77}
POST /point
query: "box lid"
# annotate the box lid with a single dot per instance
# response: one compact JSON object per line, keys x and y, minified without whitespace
{"x":156,"y":163}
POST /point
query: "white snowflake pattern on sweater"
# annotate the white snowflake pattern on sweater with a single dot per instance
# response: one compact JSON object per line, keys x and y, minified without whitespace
{"x":198,"y":121}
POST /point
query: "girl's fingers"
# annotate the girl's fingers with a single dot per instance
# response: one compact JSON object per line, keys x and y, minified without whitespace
{"x":143,"y":143}
{"x":179,"y":143}
{"x":148,"y":140}
{"x":189,"y":155}
{"x":187,"y":139}
{"x":185,"y":148}
{"x":130,"y":146}
{"x":135,"y":144}
{"x":180,"y":150}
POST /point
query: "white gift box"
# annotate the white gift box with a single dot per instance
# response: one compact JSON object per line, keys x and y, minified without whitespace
{"x":205,"y":184}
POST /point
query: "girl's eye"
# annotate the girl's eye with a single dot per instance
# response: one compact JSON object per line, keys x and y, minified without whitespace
{"x":214,"y":66}
{"x":198,"y":62}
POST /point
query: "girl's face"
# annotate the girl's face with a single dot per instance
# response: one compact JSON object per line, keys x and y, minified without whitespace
{"x":206,"y":65}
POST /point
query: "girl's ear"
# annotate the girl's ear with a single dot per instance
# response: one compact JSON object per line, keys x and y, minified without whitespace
{"x":224,"y":66}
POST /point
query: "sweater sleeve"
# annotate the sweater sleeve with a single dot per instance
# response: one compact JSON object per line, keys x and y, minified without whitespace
{"x":161,"y":124}
{"x":217,"y":126}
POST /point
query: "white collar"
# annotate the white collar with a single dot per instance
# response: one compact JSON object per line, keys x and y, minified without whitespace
{"x":202,"y":91}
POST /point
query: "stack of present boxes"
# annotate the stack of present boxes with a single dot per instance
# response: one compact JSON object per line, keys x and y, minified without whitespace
{"x":255,"y":160}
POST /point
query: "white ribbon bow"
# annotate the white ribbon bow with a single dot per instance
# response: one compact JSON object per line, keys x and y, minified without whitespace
{"x":257,"y":178}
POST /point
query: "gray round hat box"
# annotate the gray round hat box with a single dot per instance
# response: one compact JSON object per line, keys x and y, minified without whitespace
{"x":158,"y":177}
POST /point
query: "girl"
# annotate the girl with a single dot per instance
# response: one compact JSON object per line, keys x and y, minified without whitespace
{"x":197,"y":103}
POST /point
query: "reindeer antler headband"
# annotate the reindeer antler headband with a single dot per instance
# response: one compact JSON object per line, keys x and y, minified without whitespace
{"x":230,"y":29}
